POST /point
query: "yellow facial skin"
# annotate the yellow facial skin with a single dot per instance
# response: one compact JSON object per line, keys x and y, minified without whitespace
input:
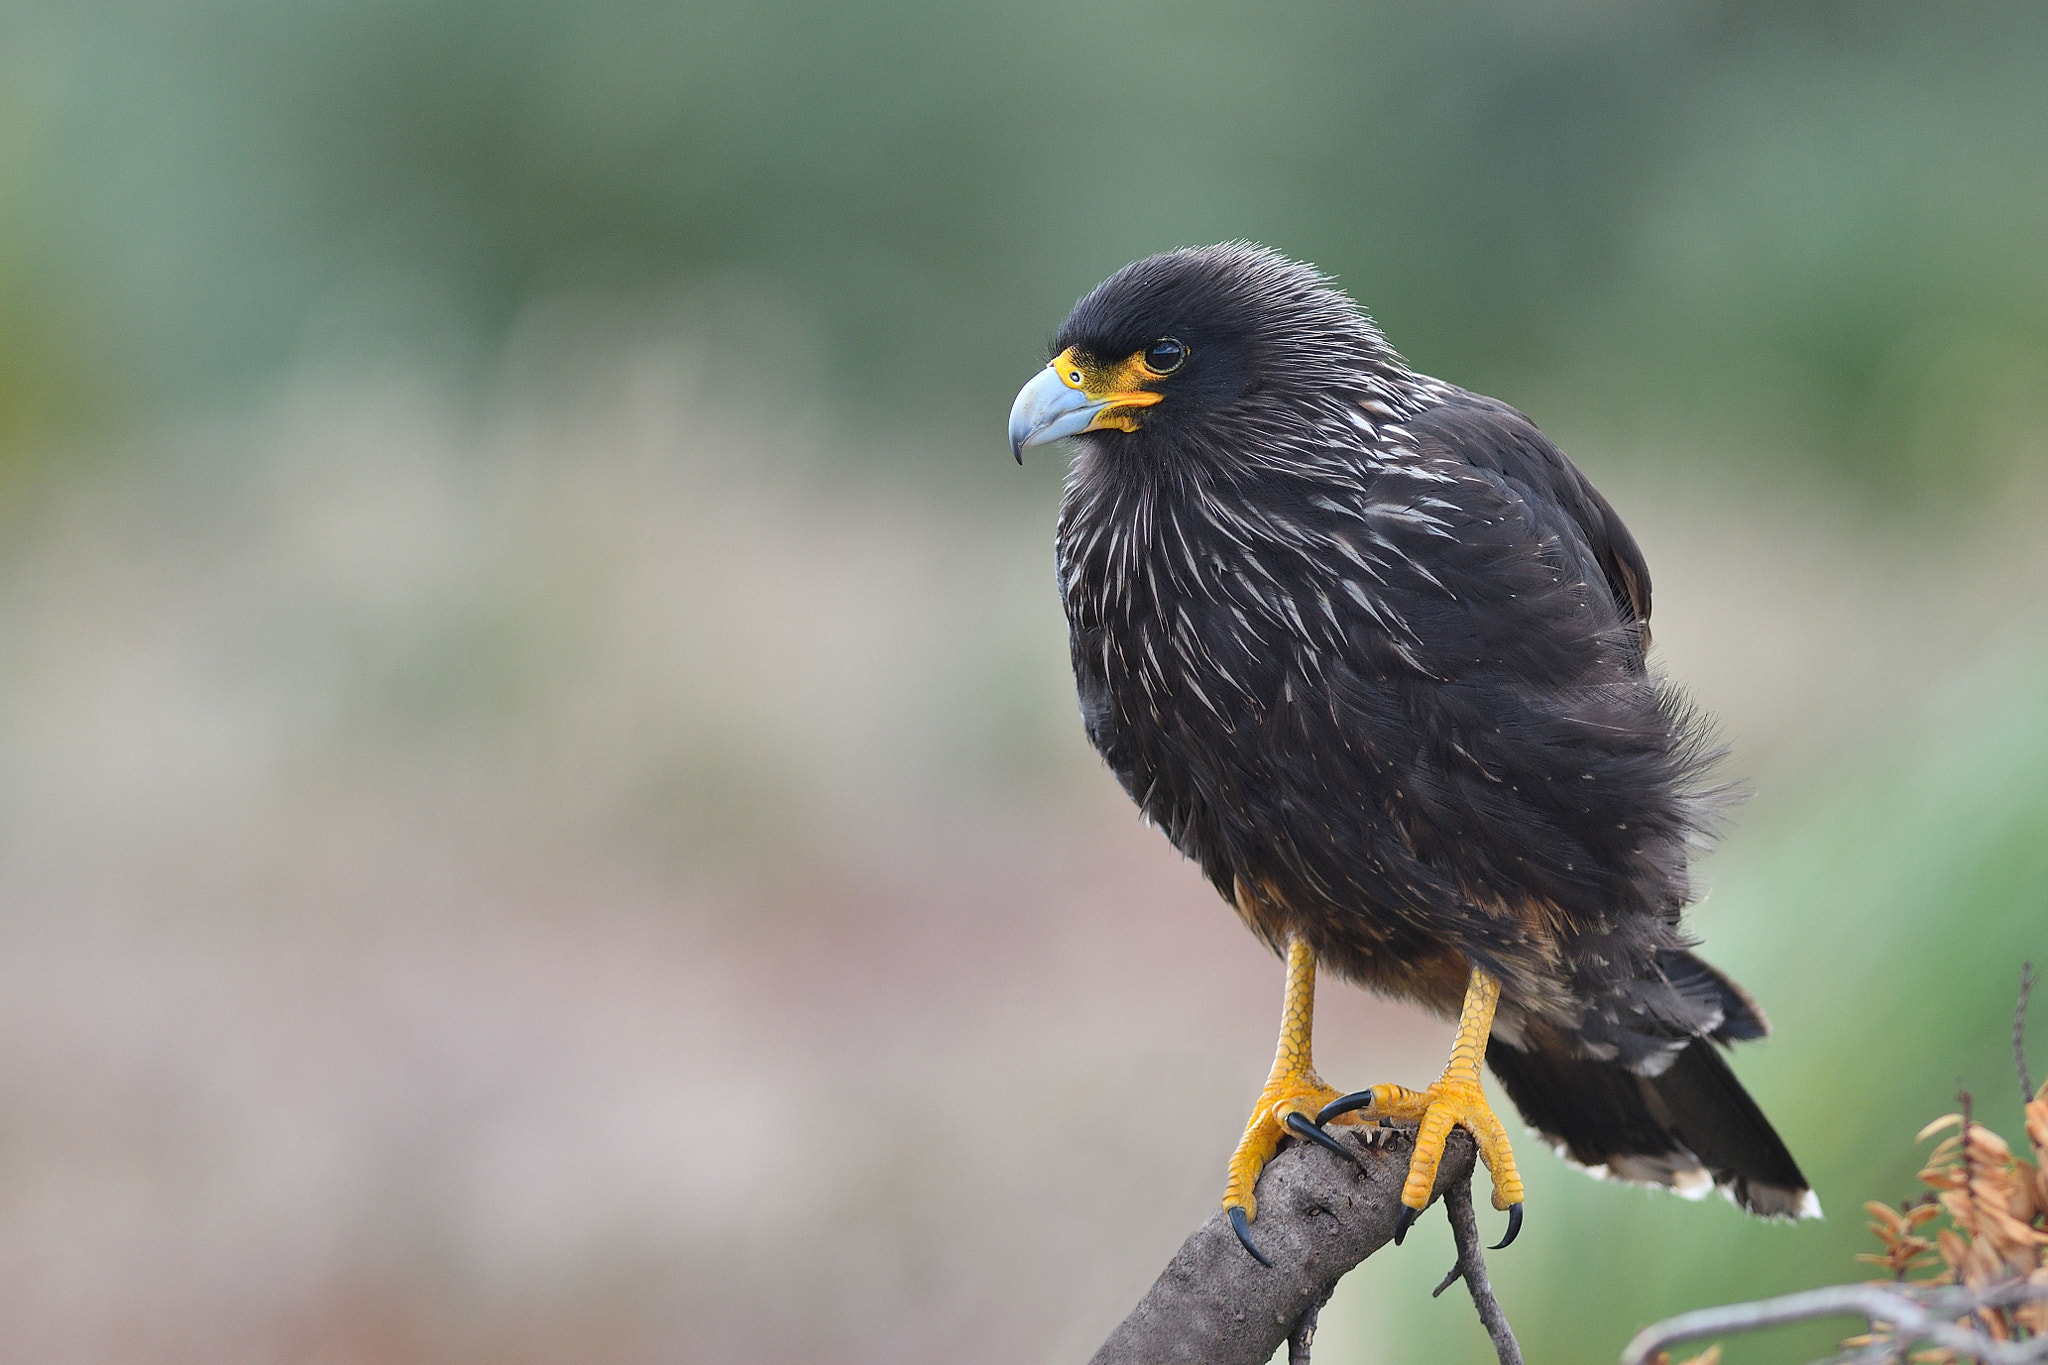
{"x":1116,"y":385}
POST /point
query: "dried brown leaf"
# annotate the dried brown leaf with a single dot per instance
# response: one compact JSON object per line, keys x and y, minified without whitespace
{"x":1945,"y":1121}
{"x":1885,"y":1220}
{"x":1986,"y":1145}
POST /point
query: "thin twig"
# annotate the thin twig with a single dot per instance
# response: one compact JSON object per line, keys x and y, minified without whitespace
{"x":1964,"y":1101}
{"x":1912,"y":1313}
{"x":1471,"y":1266}
{"x":1304,"y":1335}
{"x":2019,"y":1033}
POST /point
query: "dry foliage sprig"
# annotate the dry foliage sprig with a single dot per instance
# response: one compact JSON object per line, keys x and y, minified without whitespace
{"x":1997,"y":1207}
{"x":1997,"y":1212}
{"x":1905,"y":1250}
{"x":1975,"y":1290}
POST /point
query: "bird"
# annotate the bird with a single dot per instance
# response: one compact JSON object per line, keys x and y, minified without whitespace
{"x":1372,"y":651}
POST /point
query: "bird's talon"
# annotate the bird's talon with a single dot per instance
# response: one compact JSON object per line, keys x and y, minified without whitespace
{"x":1514,"y":1228}
{"x":1300,"y":1126}
{"x":1346,"y":1104}
{"x":1240,"y":1225}
{"x":1407,"y":1221}
{"x":1292,"y":1092}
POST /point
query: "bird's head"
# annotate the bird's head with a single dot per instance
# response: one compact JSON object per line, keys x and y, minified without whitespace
{"x":1203,"y":347}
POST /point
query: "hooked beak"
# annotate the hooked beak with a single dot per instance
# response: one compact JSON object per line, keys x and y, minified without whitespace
{"x":1048,"y":408}
{"x":1068,"y":397}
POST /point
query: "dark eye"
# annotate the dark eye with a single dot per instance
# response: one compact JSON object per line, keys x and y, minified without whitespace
{"x":1165,"y":355}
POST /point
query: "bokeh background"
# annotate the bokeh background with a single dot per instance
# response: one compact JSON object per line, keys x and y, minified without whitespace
{"x":541,"y":813}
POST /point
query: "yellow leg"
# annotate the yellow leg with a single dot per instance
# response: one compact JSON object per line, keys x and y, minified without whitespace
{"x":1456,"y":1099}
{"x":1292,"y":1088}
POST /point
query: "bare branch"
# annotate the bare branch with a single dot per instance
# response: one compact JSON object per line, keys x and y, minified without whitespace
{"x":1319,"y":1216}
{"x":2019,"y":1032}
{"x":1471,"y":1267}
{"x":1908,"y":1313}
{"x":1303,"y":1337}
{"x":1969,"y":1150}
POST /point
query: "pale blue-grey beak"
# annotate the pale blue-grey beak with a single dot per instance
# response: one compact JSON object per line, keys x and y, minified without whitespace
{"x":1048,"y":408}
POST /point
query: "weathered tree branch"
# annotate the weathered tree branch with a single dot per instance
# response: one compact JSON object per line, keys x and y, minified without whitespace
{"x":1905,"y":1315}
{"x":1471,"y":1268}
{"x":1318,"y":1217}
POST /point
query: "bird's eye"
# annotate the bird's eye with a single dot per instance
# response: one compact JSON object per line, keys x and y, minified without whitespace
{"x":1165,"y":355}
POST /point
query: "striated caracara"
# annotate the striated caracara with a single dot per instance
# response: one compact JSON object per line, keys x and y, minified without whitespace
{"x":1370,"y":650}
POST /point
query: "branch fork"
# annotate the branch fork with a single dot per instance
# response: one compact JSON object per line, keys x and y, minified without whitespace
{"x":1319,"y":1216}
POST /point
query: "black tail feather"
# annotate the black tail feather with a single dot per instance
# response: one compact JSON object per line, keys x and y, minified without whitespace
{"x":1689,"y":1125}
{"x":1742,"y":1019}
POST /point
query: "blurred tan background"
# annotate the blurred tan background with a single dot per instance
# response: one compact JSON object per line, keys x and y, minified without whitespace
{"x":541,"y":811}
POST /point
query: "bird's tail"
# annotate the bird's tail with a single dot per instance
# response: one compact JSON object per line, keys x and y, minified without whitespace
{"x":1691,"y":1126}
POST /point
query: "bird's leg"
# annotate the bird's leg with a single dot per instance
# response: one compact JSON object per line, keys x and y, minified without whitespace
{"x":1293,"y":1096}
{"x":1455,"y":1099}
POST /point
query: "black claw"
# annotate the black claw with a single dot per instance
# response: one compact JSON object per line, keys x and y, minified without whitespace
{"x":1408,"y":1217}
{"x":1514,"y":1228}
{"x":1299,"y":1125}
{"x":1242,"y":1227}
{"x":1344,"y":1104}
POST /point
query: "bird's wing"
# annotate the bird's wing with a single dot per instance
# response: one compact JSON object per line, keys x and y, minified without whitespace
{"x":1466,"y":622}
{"x":1491,"y":436}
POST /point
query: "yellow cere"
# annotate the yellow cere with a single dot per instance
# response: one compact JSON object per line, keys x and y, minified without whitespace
{"x":1118,"y":385}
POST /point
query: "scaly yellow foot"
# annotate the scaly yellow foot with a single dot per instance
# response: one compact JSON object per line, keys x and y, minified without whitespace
{"x":1455,"y":1099}
{"x":1288,"y":1106}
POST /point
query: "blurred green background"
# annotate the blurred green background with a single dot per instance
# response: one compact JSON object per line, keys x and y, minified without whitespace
{"x":543,"y":812}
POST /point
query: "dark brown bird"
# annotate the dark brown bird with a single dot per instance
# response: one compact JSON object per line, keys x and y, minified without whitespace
{"x":1371,"y":650}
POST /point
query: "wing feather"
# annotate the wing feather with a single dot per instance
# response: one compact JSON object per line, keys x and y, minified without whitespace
{"x":1491,"y":436}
